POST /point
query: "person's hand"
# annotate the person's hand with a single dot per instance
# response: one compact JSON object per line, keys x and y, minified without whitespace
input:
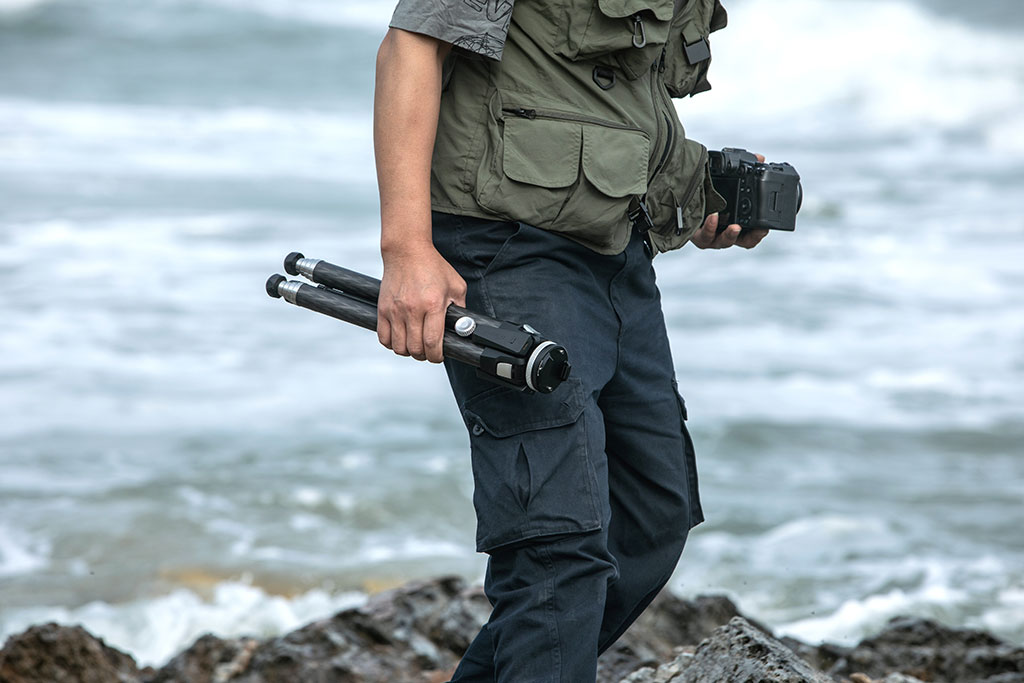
{"x":708,"y":237}
{"x":415,"y":292}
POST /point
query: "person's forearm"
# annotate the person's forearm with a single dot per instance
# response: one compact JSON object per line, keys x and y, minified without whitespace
{"x":418,"y":284}
{"x":406,"y":104}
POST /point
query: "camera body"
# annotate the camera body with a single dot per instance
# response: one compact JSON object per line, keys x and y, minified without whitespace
{"x":758,"y":195}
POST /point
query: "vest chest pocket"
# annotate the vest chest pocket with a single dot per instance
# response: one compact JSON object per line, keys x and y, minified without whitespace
{"x":599,"y":27}
{"x":566,"y":173}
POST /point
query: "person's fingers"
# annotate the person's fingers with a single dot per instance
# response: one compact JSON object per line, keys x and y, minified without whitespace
{"x":711,"y":226}
{"x":399,"y":336}
{"x":433,"y":336}
{"x":705,"y":236}
{"x":414,"y":337}
{"x":727,"y":237}
{"x":749,"y":239}
{"x":760,"y":157}
{"x":458,"y":293}
{"x":383,"y":330}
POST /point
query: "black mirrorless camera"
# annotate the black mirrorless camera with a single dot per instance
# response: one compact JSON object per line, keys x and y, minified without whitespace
{"x":758,"y":195}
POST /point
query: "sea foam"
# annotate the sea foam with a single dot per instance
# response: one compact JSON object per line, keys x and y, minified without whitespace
{"x":820,"y":70}
{"x":20,"y":554}
{"x":153,"y":630}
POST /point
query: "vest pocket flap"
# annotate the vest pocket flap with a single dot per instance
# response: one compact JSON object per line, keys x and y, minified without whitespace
{"x":502,"y":411}
{"x":543,"y":153}
{"x":617,"y":9}
{"x":615,"y":161}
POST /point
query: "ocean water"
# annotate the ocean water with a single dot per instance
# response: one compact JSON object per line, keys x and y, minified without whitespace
{"x":181,"y":454}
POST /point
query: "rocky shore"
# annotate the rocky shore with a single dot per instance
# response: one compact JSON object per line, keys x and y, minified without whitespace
{"x":416,"y":634}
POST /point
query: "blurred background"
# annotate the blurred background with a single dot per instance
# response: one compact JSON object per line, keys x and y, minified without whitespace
{"x":180,"y":454}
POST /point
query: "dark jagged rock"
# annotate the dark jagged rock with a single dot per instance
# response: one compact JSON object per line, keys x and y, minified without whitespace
{"x":935,"y":653}
{"x":51,"y":653}
{"x":417,"y":633}
{"x":209,"y":660}
{"x":668,"y":624}
{"x":400,"y":635}
{"x":737,"y":652}
{"x":822,"y":657}
{"x":740,"y":651}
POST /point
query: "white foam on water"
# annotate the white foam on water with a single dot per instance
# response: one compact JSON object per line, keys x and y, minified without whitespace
{"x":1008,"y":611}
{"x":939,"y":591}
{"x":154,"y":630}
{"x":207,"y":502}
{"x":827,"y":538}
{"x":840,"y":578}
{"x":245,"y":142}
{"x":850,"y":69}
{"x":20,"y":554}
{"x":856,"y":618}
{"x":411,"y":548}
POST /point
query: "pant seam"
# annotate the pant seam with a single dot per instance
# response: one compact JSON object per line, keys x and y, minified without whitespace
{"x":549,"y":599}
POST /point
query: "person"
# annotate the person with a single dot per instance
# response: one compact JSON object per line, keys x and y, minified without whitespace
{"x":530,"y":165}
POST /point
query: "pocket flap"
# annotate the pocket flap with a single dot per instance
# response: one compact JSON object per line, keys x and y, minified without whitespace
{"x":503,"y":411}
{"x":617,"y":9}
{"x":540,"y":152}
{"x":615,"y":161}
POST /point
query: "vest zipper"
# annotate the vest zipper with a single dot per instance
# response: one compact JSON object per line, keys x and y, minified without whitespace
{"x":533,"y":114}
{"x":655,"y":101}
{"x":698,"y":175}
{"x":668,"y":146}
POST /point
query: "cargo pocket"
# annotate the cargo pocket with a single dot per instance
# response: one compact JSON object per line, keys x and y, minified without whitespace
{"x":688,"y":48}
{"x":690,"y":458}
{"x":567,"y":173}
{"x":681,"y":196}
{"x":531,"y":470}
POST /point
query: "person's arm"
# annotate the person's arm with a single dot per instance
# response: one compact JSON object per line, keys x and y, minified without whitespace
{"x":708,"y":236}
{"x":418,"y":284}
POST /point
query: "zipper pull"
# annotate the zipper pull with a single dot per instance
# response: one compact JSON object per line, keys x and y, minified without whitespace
{"x":679,"y":221}
{"x":661,"y":62}
{"x":639,"y":33}
{"x":522,"y":112}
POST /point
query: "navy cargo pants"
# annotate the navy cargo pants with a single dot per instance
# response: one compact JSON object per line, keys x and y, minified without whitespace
{"x":584,"y":497}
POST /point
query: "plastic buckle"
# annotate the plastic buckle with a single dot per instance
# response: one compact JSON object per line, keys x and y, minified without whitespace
{"x":697,"y":52}
{"x":641,"y":217}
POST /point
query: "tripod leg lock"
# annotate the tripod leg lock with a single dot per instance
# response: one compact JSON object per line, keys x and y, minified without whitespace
{"x":503,"y":368}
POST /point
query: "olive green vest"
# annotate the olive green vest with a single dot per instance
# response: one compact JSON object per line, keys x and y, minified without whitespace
{"x":575,"y":127}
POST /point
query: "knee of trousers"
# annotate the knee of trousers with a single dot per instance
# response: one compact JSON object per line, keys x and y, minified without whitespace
{"x":535,"y":465}
{"x":572,"y":573}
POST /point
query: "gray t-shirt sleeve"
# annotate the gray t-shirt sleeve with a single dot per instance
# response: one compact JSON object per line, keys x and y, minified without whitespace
{"x":479,"y":26}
